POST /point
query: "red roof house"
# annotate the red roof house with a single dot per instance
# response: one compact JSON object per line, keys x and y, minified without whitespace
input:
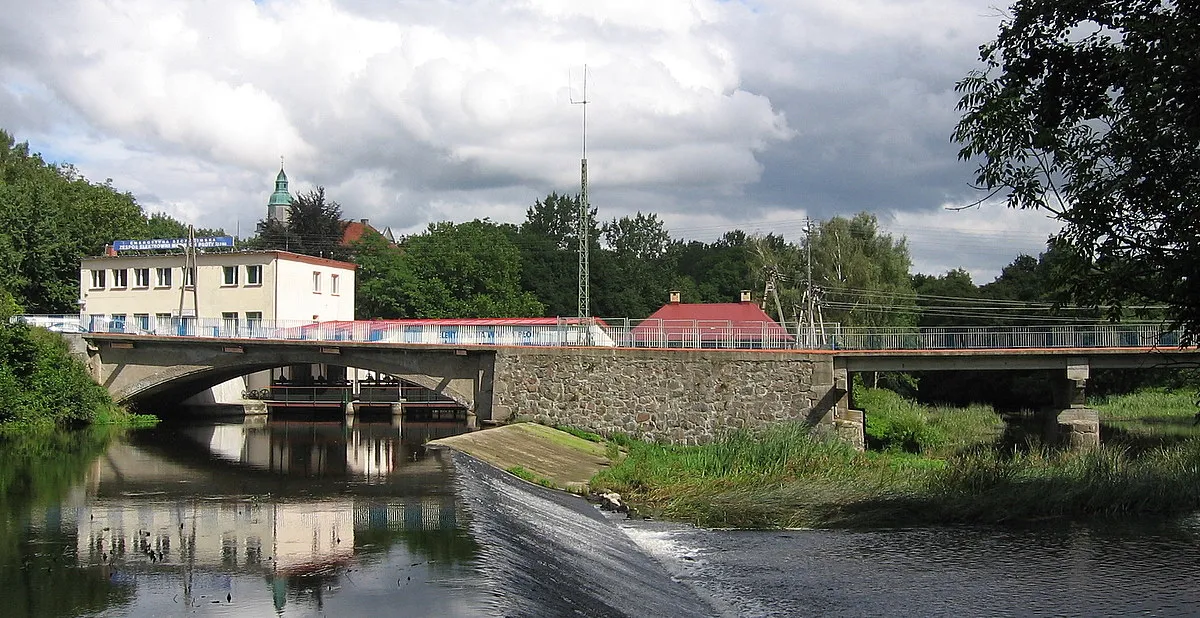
{"x":710,"y":325}
{"x":355,"y":230}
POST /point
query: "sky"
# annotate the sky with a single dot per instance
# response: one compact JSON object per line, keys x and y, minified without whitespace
{"x":714,"y":115}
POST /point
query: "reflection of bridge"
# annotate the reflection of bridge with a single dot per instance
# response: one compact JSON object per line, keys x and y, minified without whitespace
{"x":689,"y":391}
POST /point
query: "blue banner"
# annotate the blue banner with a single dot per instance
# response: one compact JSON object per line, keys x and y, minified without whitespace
{"x":207,"y":242}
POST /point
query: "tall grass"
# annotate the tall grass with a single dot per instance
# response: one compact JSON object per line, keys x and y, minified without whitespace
{"x":788,"y":477}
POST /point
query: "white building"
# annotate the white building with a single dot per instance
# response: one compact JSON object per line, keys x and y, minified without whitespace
{"x":150,"y":291}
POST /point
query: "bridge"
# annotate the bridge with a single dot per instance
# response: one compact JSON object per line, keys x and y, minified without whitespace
{"x":688,"y":386}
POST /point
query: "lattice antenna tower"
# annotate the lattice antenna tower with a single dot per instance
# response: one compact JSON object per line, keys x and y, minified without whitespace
{"x":583,"y":230}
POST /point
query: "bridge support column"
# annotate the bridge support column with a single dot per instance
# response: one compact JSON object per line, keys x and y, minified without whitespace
{"x":398,"y":416}
{"x":1070,"y":422}
{"x":834,"y":410}
{"x":348,"y":410}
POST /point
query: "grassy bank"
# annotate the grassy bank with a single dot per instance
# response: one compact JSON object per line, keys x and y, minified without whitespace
{"x":43,"y":386}
{"x":939,"y":465}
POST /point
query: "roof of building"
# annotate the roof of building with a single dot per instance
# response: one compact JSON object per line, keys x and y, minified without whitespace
{"x":744,"y":320}
{"x":280,"y":197}
{"x":468,"y":322}
{"x":282,"y":255}
{"x":355,"y":230}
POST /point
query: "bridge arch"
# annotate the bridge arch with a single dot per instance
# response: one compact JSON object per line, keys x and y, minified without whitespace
{"x":141,"y":369}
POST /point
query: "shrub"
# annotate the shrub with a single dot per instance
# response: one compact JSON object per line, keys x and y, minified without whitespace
{"x":896,"y":424}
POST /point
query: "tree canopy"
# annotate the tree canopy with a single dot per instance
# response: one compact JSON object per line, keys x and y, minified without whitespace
{"x":1091,"y":111}
{"x":314,"y":226}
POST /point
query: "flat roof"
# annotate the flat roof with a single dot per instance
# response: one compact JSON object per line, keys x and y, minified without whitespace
{"x":281,"y":255}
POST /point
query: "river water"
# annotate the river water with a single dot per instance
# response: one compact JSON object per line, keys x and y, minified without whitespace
{"x":300,"y":519}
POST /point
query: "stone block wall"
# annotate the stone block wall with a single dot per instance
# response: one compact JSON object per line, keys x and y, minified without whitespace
{"x":682,"y":397}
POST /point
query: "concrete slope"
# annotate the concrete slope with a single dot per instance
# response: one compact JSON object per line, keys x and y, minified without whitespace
{"x":566,"y":460}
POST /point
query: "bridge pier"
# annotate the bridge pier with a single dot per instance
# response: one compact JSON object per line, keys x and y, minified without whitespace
{"x":398,"y":416}
{"x":1069,"y":422}
{"x":836,"y":408}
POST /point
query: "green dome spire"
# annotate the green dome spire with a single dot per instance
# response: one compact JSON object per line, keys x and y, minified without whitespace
{"x":280,"y":199}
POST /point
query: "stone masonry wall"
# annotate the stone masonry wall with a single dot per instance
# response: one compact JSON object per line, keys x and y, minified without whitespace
{"x":682,"y":397}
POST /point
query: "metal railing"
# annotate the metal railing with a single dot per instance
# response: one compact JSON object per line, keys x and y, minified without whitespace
{"x":630,"y":333}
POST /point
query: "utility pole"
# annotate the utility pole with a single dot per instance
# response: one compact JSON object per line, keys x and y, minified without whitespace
{"x":812,"y":323}
{"x":189,"y":266}
{"x":583,"y":230}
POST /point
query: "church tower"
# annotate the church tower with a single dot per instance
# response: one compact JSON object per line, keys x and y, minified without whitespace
{"x":277,"y":207}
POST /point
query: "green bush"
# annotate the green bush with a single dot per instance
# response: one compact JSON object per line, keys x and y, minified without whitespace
{"x":896,"y":424}
{"x":42,"y":384}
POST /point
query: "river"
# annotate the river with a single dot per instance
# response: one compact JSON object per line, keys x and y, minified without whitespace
{"x":301,"y":518}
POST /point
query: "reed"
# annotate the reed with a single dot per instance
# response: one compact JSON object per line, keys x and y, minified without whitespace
{"x":789,"y":477}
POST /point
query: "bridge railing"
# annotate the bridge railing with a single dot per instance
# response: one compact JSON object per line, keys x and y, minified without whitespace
{"x":1005,"y":337}
{"x":648,"y":333}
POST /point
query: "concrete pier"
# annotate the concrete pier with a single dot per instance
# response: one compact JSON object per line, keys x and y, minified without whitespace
{"x":1069,"y":422}
{"x":398,"y":416}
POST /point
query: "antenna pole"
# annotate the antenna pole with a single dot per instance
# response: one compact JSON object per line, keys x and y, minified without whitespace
{"x":583,"y":230}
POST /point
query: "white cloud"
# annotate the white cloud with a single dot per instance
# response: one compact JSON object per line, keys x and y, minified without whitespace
{"x":729,"y":113}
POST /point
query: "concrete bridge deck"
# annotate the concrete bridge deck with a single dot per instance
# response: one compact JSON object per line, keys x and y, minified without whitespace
{"x":669,"y":394}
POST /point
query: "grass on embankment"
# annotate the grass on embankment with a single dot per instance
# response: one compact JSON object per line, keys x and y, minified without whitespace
{"x":42,"y":386}
{"x":786,"y":477}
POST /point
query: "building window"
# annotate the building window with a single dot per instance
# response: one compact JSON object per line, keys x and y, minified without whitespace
{"x":253,"y":318}
{"x":116,"y":323}
{"x":189,"y":277}
{"x":162,"y":321}
{"x":142,"y":320}
{"x":254,"y":274}
{"x":316,"y":282}
{"x":164,"y":277}
{"x":141,"y":277}
{"x":98,"y":279}
{"x":230,"y":275}
{"x":120,"y":278}
{"x":334,"y":288}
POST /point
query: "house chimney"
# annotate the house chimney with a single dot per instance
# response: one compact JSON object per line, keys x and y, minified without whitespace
{"x":746,"y":296}
{"x":674,"y":297}
{"x":365,"y":221}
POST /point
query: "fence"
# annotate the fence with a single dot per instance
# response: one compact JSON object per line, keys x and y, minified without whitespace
{"x":629,"y":333}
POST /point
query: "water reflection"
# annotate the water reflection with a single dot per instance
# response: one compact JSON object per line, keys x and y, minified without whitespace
{"x":269,"y":520}
{"x":367,"y":451}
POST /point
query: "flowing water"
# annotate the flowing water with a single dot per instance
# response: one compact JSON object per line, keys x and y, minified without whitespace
{"x":301,"y":518}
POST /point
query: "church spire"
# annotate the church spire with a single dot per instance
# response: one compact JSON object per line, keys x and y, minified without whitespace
{"x":281,"y":198}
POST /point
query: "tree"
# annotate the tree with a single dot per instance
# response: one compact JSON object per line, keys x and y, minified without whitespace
{"x":383,"y":280}
{"x":1089,"y":111}
{"x":947,"y":300}
{"x":162,"y":225}
{"x":862,"y":272}
{"x":549,"y":245}
{"x":635,"y":270}
{"x":717,"y":271}
{"x":463,"y":270}
{"x":50,"y":216}
{"x":314,"y":227}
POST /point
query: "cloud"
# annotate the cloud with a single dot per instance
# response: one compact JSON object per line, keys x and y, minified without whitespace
{"x":410,"y":112}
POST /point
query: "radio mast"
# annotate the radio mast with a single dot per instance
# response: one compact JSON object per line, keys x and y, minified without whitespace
{"x":583,"y":230}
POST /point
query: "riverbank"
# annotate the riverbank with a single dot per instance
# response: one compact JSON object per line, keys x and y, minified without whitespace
{"x":42,"y":386}
{"x":937,"y":466}
{"x":929,"y":466}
